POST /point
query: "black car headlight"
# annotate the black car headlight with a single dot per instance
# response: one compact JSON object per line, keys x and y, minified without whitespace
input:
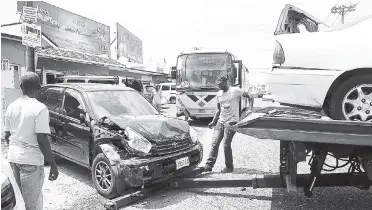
{"x":193,"y":135}
{"x":137,"y":141}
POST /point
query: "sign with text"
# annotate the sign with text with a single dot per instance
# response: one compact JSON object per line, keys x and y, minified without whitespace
{"x":29,"y":14}
{"x":31,"y":35}
{"x":71,"y":31}
{"x":128,"y":45}
{"x":146,"y":78}
{"x":4,"y":64}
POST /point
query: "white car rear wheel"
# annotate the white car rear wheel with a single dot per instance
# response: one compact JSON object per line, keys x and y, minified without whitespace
{"x":353,"y":100}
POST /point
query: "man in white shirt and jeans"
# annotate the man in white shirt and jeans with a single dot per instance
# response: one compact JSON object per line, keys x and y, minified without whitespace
{"x":227,"y":114}
{"x":26,"y":130}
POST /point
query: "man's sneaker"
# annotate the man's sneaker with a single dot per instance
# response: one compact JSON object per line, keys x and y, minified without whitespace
{"x":227,"y":170}
{"x":207,"y":168}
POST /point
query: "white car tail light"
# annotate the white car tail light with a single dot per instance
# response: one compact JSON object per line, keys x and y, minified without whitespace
{"x":278,"y":56}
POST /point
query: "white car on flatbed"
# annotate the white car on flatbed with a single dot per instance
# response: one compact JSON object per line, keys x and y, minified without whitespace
{"x":329,"y":70}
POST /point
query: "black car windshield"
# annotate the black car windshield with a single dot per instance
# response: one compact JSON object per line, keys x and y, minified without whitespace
{"x":120,"y":102}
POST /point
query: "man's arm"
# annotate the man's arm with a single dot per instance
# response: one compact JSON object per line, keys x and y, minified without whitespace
{"x":216,"y":116}
{"x":250,"y":98}
{"x":7,"y":126}
{"x":45,"y":148}
{"x":42,"y":130}
{"x":7,"y":135}
{"x":247,"y":95}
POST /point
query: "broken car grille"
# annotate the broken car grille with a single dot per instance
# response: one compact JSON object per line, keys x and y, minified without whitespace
{"x":170,"y":147}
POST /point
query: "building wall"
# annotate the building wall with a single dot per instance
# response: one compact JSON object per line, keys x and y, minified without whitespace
{"x":14,"y":51}
{"x":71,"y":68}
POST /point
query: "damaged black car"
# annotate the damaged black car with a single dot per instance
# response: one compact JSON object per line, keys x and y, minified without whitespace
{"x":116,"y":133}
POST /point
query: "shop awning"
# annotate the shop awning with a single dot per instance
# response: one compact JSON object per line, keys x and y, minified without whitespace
{"x":73,"y":56}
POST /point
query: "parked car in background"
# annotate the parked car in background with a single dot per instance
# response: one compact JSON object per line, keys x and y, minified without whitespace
{"x":168,"y":91}
{"x":11,"y":196}
{"x":315,"y":71}
{"x":119,"y":135}
{"x":149,"y":92}
{"x":257,"y":90}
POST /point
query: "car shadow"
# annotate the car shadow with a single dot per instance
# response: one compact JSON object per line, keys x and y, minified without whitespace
{"x":200,"y":122}
{"x":75,"y":171}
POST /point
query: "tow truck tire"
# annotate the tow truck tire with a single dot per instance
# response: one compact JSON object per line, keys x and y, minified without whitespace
{"x":336,"y":106}
{"x":104,"y":180}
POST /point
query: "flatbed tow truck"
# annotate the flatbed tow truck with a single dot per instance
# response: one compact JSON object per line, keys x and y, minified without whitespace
{"x":301,"y":134}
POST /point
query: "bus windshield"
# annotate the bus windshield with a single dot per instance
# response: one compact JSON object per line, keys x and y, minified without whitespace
{"x":201,"y":70}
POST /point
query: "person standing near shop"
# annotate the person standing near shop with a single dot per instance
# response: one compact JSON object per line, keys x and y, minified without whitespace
{"x":26,"y":130}
{"x":227,"y":114}
{"x":157,"y":98}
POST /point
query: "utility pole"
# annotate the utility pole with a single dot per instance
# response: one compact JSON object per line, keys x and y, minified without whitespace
{"x":30,"y":51}
{"x":343,"y":10}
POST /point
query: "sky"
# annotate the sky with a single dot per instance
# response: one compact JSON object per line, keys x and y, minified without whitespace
{"x":167,"y":27}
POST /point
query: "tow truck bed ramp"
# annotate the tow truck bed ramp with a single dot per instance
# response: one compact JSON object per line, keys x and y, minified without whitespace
{"x":294,"y":125}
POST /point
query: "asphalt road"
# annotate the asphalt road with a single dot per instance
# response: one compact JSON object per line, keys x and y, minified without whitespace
{"x":74,"y":188}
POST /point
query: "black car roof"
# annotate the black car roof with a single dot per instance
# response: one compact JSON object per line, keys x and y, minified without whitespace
{"x":89,"y":87}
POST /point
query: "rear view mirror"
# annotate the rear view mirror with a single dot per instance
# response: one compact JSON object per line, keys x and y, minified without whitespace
{"x":235,"y":72}
{"x":82,"y":118}
{"x":173,"y":72}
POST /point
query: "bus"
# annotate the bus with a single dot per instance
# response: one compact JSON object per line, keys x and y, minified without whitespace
{"x":195,"y":74}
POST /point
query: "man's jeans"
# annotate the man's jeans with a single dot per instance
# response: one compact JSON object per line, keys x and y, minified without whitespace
{"x":32,"y":180}
{"x":222,"y":132}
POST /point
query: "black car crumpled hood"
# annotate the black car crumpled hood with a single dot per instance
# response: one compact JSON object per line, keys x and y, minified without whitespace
{"x":154,"y":128}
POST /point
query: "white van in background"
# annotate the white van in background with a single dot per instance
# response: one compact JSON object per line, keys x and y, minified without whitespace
{"x":168,"y":92}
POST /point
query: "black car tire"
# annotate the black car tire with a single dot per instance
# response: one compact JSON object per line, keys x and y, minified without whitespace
{"x":335,"y":106}
{"x":111,"y":191}
{"x":173,"y":100}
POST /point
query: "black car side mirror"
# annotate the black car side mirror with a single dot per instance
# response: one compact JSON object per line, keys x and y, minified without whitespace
{"x":82,"y":118}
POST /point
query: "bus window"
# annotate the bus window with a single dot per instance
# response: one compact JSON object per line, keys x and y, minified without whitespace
{"x":58,"y":80}
{"x":75,"y":81}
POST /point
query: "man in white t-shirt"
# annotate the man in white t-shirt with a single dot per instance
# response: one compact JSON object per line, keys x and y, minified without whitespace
{"x":26,"y":130}
{"x":227,"y":114}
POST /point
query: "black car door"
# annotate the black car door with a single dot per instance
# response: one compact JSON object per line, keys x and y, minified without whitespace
{"x":75,"y":133}
{"x":52,"y":97}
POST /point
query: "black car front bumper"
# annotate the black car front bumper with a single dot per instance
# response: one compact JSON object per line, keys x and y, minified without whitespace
{"x":136,"y":172}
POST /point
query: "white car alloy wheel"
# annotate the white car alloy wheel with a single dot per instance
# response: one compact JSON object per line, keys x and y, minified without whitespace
{"x":103,"y":176}
{"x":357,"y":103}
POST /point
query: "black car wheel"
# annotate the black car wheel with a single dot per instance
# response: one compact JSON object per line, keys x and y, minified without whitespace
{"x":103,"y":177}
{"x":353,"y":99}
{"x":173,"y":100}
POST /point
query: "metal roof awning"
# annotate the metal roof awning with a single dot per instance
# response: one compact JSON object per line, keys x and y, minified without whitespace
{"x":77,"y":57}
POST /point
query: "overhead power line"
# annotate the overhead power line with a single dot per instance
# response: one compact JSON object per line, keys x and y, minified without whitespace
{"x":343,"y":10}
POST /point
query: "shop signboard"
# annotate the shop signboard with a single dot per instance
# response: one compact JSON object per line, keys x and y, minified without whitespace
{"x":31,"y":35}
{"x":29,"y":14}
{"x":4,"y":64}
{"x":128,"y":45}
{"x":146,"y":78}
{"x":71,"y":31}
